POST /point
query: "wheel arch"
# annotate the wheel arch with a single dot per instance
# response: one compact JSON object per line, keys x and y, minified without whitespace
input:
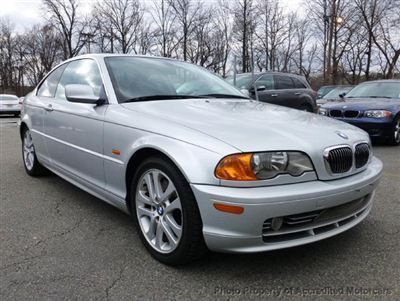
{"x":22,"y":127}
{"x":139,"y":156}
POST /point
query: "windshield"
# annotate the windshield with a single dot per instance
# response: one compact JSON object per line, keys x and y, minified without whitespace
{"x":336,"y":92}
{"x":140,"y":78}
{"x":376,"y":90}
{"x":242,"y":81}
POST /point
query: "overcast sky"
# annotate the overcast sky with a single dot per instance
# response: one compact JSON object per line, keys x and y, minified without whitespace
{"x":25,"y":13}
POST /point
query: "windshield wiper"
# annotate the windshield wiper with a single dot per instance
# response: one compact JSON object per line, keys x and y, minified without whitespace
{"x":160,"y":97}
{"x":374,"y":96}
{"x":216,"y":95}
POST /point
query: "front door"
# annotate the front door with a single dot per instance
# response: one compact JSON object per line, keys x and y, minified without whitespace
{"x":74,"y":131}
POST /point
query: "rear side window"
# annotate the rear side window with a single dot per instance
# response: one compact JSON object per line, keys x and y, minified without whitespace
{"x":267,"y":80}
{"x":283,"y":82}
{"x":82,"y":72}
{"x":49,"y":86}
{"x":298,"y":84}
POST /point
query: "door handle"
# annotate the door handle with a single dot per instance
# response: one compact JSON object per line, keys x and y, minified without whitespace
{"x":49,"y":108}
{"x":274,"y":95}
{"x":297,"y":93}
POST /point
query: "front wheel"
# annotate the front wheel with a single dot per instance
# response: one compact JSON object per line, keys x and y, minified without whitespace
{"x":166,"y":213}
{"x":394,"y":139}
{"x":31,"y":163}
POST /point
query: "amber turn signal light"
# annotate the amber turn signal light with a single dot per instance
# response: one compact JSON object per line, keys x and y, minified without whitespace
{"x":235,"y":168}
{"x":228,"y":208}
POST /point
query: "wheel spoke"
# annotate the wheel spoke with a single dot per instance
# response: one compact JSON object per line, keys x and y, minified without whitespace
{"x":145,"y":212}
{"x":167,"y":193}
{"x":171,"y":238}
{"x":157,"y":184}
{"x":140,"y":197}
{"x":170,"y":221}
{"x":159,"y":235}
{"x":152,"y":228}
{"x":150,"y":185}
{"x":175,"y":204}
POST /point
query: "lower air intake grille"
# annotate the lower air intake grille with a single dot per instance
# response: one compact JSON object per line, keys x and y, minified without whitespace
{"x":307,"y":224}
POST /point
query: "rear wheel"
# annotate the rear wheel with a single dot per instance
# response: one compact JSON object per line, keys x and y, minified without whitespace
{"x":31,"y":163}
{"x":394,"y":139}
{"x":166,"y":213}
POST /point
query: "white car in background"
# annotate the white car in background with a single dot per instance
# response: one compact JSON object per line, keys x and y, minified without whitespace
{"x":9,"y":104}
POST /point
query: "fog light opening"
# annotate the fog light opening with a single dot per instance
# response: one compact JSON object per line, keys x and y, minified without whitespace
{"x":276,"y":223}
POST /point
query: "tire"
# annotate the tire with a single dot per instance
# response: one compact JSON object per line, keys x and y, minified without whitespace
{"x":175,"y":213}
{"x":394,"y":138}
{"x":31,"y":163}
{"x":306,"y":107}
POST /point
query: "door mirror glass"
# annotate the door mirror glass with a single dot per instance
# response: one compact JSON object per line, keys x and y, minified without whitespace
{"x":80,"y":93}
{"x":245,"y":92}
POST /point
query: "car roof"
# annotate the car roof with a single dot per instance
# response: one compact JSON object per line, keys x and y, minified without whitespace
{"x":105,"y":55}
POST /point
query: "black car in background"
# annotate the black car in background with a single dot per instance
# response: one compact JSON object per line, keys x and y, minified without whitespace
{"x":278,"y":88}
{"x":373,"y":106}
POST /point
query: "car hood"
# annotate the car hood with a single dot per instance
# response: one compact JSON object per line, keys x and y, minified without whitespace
{"x":251,"y":125}
{"x":363,"y":104}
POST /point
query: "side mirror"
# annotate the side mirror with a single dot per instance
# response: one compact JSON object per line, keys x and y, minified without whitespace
{"x":81,"y":94}
{"x":245,"y":92}
{"x":342,"y":95}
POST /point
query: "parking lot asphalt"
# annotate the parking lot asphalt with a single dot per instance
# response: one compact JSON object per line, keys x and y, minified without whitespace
{"x":59,"y":243}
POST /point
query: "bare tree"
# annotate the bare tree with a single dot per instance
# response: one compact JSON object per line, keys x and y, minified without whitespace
{"x":381,"y":19}
{"x":41,"y":51}
{"x":125,"y":18}
{"x":244,"y":29}
{"x":186,"y":14}
{"x":165,"y":30}
{"x":63,"y":14}
{"x":8,"y":63}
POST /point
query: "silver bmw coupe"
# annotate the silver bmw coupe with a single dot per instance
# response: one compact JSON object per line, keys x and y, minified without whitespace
{"x":197,"y":164}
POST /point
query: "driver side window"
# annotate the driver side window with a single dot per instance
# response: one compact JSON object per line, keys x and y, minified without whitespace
{"x":267,"y":80}
{"x":82,"y":72}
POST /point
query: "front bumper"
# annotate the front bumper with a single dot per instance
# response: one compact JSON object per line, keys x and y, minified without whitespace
{"x":10,"y":110}
{"x":243,"y":233}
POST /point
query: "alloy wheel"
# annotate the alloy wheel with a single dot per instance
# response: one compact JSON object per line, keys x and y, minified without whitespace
{"x":397,"y":131}
{"x":159,"y":211}
{"x":29,"y":151}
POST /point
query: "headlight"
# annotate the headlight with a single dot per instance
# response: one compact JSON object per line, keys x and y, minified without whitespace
{"x":262,"y":166}
{"x":377,"y":114}
{"x":323,"y":111}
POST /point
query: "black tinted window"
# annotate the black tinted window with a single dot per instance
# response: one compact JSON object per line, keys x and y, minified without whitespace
{"x":283,"y":82}
{"x":80,"y":72}
{"x":49,"y":86}
{"x":267,"y":80}
{"x":298,"y":84}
